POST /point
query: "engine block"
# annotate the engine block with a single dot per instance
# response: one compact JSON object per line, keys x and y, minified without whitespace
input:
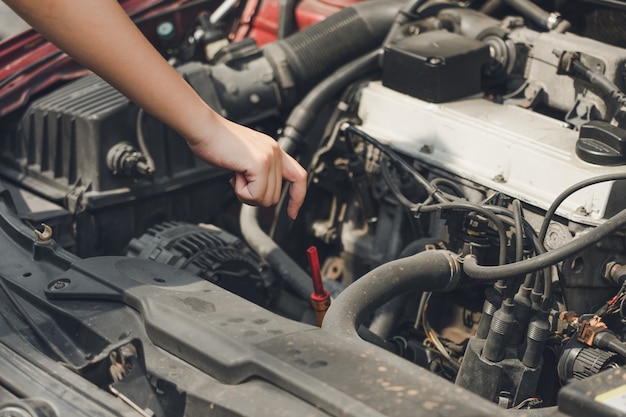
{"x":517,"y":152}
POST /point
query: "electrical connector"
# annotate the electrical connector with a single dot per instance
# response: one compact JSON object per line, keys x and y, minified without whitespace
{"x":589,"y":329}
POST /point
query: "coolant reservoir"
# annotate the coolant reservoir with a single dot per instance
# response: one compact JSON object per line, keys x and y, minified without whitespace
{"x":260,"y":17}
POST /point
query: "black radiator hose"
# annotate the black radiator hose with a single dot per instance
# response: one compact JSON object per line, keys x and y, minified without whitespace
{"x":436,"y":270}
{"x":303,"y":115}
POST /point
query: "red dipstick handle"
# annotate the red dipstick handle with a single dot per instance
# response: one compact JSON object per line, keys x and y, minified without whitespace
{"x":320,"y":298}
{"x":314,"y":263}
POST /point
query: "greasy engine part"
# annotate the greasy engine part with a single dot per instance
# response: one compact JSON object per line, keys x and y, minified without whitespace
{"x":471,"y":146}
{"x":507,"y":179}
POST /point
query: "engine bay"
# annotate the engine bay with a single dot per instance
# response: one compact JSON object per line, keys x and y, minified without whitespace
{"x":466,"y":210}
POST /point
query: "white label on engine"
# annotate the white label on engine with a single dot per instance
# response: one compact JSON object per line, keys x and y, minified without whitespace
{"x":615,"y":398}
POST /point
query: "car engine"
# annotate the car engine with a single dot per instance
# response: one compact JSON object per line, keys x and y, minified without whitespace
{"x":461,"y":250}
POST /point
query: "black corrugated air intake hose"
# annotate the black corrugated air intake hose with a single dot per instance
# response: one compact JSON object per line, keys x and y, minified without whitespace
{"x":436,"y":270}
{"x":316,"y":51}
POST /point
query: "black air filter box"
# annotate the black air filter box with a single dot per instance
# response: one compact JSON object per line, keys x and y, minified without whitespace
{"x":60,"y":153}
{"x":436,"y":66}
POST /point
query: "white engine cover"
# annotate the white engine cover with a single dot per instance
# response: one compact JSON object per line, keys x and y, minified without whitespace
{"x":506,"y":148}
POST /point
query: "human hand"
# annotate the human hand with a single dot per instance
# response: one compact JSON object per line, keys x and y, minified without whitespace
{"x":260,"y":166}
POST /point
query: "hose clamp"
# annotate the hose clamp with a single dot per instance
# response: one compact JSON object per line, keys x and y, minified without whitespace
{"x":553,"y":20}
{"x":455,"y":271}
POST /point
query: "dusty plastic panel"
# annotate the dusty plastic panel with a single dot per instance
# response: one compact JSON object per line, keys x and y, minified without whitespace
{"x":235,"y":341}
{"x":87,"y":329}
{"x":36,"y":211}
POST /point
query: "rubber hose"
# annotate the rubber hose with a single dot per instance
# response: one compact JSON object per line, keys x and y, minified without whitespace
{"x":568,"y":192}
{"x":530,"y":10}
{"x":267,"y":249}
{"x":312,"y":53}
{"x":301,"y":118}
{"x":386,"y":316}
{"x":286,"y":18}
{"x":471,"y":267}
{"x":427,"y":271}
{"x":305,"y":113}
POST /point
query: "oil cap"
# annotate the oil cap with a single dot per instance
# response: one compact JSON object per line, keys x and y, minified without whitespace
{"x":166,"y":31}
{"x":601,"y":143}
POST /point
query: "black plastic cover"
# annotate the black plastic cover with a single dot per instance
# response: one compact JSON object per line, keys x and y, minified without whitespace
{"x":60,"y":153}
{"x":436,"y":66}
